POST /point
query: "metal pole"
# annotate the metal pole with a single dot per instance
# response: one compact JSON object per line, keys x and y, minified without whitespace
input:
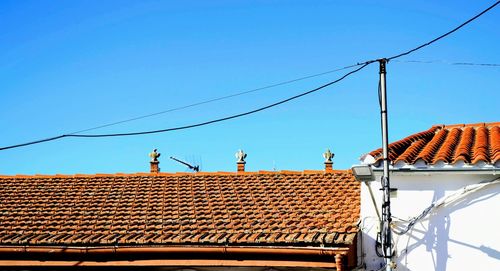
{"x":386,"y":204}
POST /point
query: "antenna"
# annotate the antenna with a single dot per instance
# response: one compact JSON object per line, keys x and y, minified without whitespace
{"x":194,"y":168}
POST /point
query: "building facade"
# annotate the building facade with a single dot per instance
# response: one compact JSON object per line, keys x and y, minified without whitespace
{"x":445,"y":208}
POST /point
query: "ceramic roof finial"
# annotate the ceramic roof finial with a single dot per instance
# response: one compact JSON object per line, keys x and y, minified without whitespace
{"x":328,"y":155}
{"x":240,"y":155}
{"x":154,"y":155}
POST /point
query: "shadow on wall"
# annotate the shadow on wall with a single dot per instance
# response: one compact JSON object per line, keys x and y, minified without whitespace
{"x":436,"y":238}
{"x":438,"y":234}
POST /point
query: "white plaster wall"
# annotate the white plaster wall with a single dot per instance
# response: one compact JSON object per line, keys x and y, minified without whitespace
{"x":459,"y":236}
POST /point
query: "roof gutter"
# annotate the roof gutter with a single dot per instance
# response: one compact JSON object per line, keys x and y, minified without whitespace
{"x":162,"y":256}
{"x":179,"y":249}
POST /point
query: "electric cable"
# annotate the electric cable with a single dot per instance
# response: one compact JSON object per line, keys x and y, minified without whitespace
{"x":445,"y":200}
{"x":229,"y":117}
{"x":197,"y":124}
{"x":449,"y":63}
{"x":218,"y":99}
{"x":445,"y":34}
{"x":362,"y":64}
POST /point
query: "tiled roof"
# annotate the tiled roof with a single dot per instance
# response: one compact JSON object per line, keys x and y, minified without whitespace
{"x":264,"y":208}
{"x":469,"y":144}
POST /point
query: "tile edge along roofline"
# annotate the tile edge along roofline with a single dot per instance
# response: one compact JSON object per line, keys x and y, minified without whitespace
{"x":473,"y":146}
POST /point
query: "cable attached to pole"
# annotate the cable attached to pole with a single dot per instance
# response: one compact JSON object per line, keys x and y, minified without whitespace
{"x":445,"y":34}
{"x":218,"y":99}
{"x":193,"y":125}
{"x":362,"y":64}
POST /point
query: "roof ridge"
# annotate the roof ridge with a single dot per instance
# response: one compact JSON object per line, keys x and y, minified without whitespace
{"x":142,"y":174}
{"x":462,"y":125}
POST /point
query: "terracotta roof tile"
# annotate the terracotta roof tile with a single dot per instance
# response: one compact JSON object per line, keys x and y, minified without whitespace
{"x":430,"y":149}
{"x":300,"y":208}
{"x":494,"y":140}
{"x":412,"y":151}
{"x":447,"y":150}
{"x":463,"y":151}
{"x":470,"y":143}
{"x":480,"y":151}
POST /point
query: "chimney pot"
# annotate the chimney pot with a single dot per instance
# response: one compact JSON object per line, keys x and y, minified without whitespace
{"x":241,"y":166}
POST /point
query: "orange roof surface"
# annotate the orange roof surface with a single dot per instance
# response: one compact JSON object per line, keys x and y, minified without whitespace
{"x":266,"y":208}
{"x":470,"y":143}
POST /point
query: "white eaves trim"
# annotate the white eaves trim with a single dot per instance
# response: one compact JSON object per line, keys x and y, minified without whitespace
{"x":419,"y":165}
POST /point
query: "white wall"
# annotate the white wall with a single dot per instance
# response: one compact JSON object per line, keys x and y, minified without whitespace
{"x":458,"y":236}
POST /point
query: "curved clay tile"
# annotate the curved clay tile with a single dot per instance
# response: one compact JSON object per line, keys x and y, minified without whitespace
{"x":409,"y":155}
{"x":427,"y":153}
{"x":445,"y":153}
{"x":463,"y":152}
{"x":397,"y":148}
{"x":480,"y":150}
{"x":495,"y":144}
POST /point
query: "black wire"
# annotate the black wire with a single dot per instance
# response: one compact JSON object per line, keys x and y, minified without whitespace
{"x":310,"y":76}
{"x":444,"y":35}
{"x":448,"y":63}
{"x":230,"y":117}
{"x":74,"y":134}
{"x":217,"y":99}
{"x":293,"y":80}
{"x":33,"y":142}
{"x":476,"y":64}
{"x":197,"y":124}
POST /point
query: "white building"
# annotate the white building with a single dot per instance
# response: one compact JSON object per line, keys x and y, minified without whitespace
{"x":449,"y":176}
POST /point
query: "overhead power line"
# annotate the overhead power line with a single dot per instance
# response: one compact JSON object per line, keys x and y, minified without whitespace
{"x":286,"y":82}
{"x":445,"y":34}
{"x":217,"y":99}
{"x":448,"y":63}
{"x":292,"y":80}
{"x":230,"y":117}
{"x":192,"y":125}
{"x":362,"y":65}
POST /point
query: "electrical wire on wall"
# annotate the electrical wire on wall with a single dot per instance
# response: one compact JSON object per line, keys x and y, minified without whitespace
{"x":409,"y":224}
{"x":466,"y":190}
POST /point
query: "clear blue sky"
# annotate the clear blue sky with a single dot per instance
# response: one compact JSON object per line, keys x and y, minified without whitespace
{"x":70,"y":65}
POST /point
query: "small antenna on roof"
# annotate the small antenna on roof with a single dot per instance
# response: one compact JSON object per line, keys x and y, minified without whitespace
{"x":194,"y":168}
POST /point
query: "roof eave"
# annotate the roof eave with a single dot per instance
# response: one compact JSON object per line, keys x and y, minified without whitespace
{"x":172,"y":256}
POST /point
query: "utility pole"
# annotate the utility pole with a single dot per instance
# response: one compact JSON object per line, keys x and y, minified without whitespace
{"x":386,"y":203}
